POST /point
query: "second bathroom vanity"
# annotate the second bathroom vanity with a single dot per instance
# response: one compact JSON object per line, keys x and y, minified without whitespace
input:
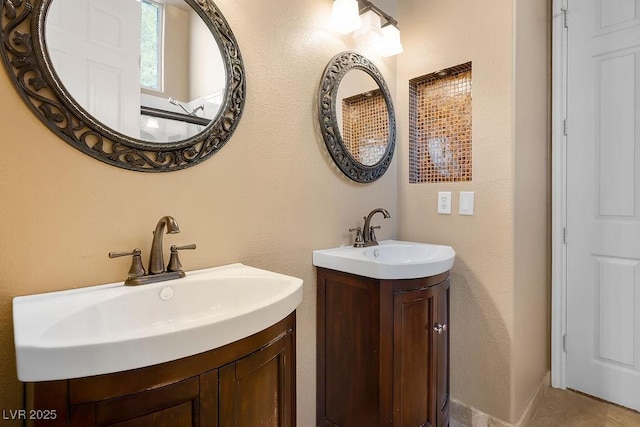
{"x":383,"y":343}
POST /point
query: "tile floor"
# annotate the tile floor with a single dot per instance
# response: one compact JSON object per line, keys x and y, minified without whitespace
{"x":566,"y":408}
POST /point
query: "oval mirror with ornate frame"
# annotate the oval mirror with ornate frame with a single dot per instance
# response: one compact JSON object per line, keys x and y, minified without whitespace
{"x":28,"y":62}
{"x":365,"y":155}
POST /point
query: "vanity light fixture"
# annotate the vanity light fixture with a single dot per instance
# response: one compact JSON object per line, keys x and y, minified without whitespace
{"x":369,"y":36}
{"x":368,"y":28}
{"x":390,"y":41}
{"x":345,"y":16}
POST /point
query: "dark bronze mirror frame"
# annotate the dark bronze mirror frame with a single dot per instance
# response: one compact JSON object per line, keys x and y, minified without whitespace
{"x":333,"y":74}
{"x":28,"y":64}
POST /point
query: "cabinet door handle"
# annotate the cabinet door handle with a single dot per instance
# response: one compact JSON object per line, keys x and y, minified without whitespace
{"x":439,"y":328}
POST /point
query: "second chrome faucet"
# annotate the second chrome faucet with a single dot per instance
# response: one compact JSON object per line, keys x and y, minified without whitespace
{"x":157,"y":272}
{"x":367,"y":236}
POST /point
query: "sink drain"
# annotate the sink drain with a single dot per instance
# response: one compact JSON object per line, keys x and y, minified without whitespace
{"x":166,"y":293}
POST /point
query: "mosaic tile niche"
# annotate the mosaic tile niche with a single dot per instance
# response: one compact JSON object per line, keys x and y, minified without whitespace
{"x":440,"y":126}
{"x":365,"y":127}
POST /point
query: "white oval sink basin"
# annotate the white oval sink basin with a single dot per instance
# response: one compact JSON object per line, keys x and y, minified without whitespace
{"x":390,"y":259}
{"x":110,"y":328}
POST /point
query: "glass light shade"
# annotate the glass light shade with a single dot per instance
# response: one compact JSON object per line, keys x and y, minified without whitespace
{"x":345,"y":16}
{"x":370,"y":34}
{"x":153,"y":123}
{"x":391,"y":44}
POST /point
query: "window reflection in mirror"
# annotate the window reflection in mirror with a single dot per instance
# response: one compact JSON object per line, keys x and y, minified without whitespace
{"x":175,"y":65}
{"x":151,"y":41}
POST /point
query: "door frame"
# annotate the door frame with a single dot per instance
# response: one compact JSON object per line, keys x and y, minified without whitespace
{"x":559,"y":59}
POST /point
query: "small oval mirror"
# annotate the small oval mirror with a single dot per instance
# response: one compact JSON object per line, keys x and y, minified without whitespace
{"x":356,"y":117}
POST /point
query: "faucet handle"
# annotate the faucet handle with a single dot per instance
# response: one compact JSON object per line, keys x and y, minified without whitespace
{"x":179,"y":248}
{"x":174,"y":261}
{"x":372,"y":233}
{"x":359,"y":242}
{"x":136,"y":269}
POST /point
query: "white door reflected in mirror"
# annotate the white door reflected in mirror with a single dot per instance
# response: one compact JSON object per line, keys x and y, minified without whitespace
{"x":96,"y":50}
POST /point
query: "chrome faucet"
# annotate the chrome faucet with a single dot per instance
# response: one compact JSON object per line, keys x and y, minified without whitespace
{"x":157,"y":273}
{"x":368,"y":232}
{"x":156,"y":259}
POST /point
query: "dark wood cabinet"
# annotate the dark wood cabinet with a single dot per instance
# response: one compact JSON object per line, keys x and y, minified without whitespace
{"x":257,"y":390}
{"x":383,"y":351}
{"x":247,"y":383}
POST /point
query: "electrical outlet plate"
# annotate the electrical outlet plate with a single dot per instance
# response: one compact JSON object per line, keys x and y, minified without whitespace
{"x":444,"y":202}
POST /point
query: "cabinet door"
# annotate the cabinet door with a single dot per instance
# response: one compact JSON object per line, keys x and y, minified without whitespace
{"x":259,"y":390}
{"x":413,"y":350}
{"x":441,"y":331}
{"x":174,"y":405}
{"x":184,"y":392}
{"x":349,"y":351}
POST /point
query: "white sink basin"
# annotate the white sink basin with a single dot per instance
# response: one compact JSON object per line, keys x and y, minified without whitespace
{"x":391,"y":259}
{"x":110,"y":328}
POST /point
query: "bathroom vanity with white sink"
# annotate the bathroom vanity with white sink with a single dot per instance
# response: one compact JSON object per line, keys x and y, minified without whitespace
{"x":246,"y":383}
{"x":214,"y":348}
{"x":383,"y":335}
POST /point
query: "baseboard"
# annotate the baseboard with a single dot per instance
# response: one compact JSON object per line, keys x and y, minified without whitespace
{"x":463,"y":415}
{"x":534,"y":402}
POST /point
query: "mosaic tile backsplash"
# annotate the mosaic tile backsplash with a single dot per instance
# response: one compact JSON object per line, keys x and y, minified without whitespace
{"x":365,"y":127}
{"x":440,"y":126}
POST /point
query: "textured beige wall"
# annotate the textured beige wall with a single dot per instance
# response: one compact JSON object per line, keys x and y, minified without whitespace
{"x":267,"y":199}
{"x":532,"y":203}
{"x":175,"y":84}
{"x":206,"y":69}
{"x":272,"y":194}
{"x":492,"y":366}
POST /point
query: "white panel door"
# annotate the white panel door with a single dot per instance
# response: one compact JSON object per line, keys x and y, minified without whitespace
{"x":603,"y":199}
{"x":95,"y":49}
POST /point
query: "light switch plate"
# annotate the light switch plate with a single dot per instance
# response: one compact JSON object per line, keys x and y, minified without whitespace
{"x":444,"y":202}
{"x":467,"y":200}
